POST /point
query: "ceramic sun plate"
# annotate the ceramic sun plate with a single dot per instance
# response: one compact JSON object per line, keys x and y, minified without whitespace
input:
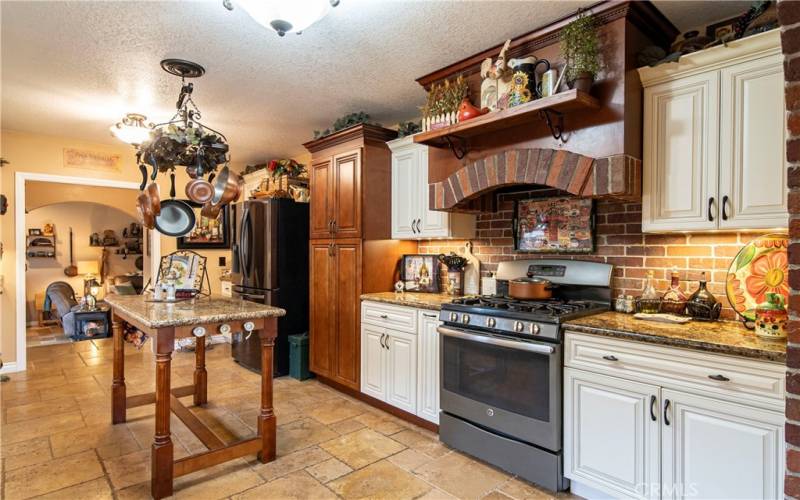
{"x":760,"y":267}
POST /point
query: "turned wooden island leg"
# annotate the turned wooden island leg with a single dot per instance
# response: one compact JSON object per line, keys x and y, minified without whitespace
{"x":118,"y":395}
{"x":200,"y":374}
{"x":266,"y":419}
{"x":161,"y":455}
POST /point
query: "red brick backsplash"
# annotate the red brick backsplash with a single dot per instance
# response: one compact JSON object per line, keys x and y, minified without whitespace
{"x":619,"y":241}
{"x":789,"y":17}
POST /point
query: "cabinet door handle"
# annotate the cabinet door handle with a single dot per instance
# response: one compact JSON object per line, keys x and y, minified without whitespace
{"x":330,"y":225}
{"x":609,"y":357}
{"x":710,"y":205}
{"x":653,"y":416}
{"x":418,"y":229}
{"x":381,"y":340}
{"x":413,"y":229}
{"x":666,"y":409}
{"x":334,"y":225}
{"x":725,"y":207}
{"x":718,"y":377}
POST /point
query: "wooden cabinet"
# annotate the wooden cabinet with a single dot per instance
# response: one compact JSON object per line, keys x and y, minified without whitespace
{"x":411,"y":217}
{"x":334,"y":310}
{"x":714,"y":139}
{"x":400,"y":359}
{"x":654,"y":423}
{"x":428,"y":366}
{"x":612,"y":417}
{"x":350,"y":250}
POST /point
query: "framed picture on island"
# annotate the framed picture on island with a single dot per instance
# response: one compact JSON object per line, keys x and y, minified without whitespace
{"x":554,"y":225}
{"x":420,"y":273}
{"x":207,"y":232}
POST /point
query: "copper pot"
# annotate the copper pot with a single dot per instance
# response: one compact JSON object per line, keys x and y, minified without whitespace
{"x":145,"y":214}
{"x":153,"y":194}
{"x":199,"y":190}
{"x":530,"y":288}
{"x":226,"y":187}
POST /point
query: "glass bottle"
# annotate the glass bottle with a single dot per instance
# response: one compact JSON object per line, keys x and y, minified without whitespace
{"x":674,"y":300}
{"x":702,"y":304}
{"x":649,"y":301}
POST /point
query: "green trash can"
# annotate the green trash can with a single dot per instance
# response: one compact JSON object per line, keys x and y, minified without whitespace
{"x":298,"y":356}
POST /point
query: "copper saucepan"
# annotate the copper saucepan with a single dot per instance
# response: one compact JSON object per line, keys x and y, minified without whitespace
{"x":530,"y":288}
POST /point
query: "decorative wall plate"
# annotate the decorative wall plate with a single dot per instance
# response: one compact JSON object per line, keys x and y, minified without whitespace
{"x":760,"y":267}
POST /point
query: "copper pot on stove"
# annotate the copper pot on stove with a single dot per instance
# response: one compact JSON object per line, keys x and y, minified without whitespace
{"x":530,"y":288}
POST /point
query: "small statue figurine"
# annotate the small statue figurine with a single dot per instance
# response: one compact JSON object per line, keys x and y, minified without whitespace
{"x":496,"y":81}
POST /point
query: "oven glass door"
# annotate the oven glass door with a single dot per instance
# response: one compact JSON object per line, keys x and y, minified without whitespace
{"x":510,"y":386}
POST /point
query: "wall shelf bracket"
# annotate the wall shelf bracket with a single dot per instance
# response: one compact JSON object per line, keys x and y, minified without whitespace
{"x":458,"y":145}
{"x":555,"y":129}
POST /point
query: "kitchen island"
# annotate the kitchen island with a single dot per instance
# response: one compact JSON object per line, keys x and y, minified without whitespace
{"x":163,"y":323}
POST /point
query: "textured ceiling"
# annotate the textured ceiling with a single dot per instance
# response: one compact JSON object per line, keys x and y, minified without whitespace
{"x":74,"y":68}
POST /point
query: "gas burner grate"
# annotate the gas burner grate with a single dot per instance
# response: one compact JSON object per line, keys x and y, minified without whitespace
{"x":551,"y":307}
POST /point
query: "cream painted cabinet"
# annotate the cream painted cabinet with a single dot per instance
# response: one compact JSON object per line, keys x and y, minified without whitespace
{"x":752,"y":184}
{"x":717,"y":449}
{"x":714,"y":139}
{"x":613,"y":439}
{"x":411,"y":218}
{"x":681,"y":131}
{"x":428,"y":362}
{"x":646,"y":421}
{"x":400,"y":357}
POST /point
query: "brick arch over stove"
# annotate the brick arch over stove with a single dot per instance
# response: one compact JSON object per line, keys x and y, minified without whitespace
{"x":617,"y":177}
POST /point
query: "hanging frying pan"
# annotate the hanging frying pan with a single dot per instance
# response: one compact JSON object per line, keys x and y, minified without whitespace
{"x":71,"y":270}
{"x":199,"y":190}
{"x":176,"y":218}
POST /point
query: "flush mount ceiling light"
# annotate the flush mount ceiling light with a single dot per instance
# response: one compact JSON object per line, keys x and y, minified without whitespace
{"x":132,"y":129}
{"x":284,"y":16}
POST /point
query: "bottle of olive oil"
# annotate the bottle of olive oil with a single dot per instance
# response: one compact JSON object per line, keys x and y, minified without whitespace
{"x":649,"y":301}
{"x":674,"y":300}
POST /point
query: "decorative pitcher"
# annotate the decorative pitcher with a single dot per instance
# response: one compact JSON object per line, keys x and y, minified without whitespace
{"x":771,"y":317}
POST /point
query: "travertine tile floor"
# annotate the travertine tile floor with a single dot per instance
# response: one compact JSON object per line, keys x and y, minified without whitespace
{"x":58,"y":442}
{"x":46,"y":335}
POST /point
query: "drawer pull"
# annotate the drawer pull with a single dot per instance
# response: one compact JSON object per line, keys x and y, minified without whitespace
{"x":430,"y":315}
{"x":609,"y":357}
{"x":385,"y":316}
{"x":653,"y":416}
{"x":721,"y":378}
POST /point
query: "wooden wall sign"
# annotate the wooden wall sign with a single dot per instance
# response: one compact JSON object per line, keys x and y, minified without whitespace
{"x":91,"y":160}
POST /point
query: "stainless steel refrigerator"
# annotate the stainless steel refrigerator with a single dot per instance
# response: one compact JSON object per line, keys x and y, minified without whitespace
{"x":270,"y":266}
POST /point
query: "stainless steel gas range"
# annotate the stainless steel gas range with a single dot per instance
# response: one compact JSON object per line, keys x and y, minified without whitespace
{"x":502,"y":363}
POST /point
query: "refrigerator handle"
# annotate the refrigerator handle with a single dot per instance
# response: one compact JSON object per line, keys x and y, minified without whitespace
{"x":244,"y":243}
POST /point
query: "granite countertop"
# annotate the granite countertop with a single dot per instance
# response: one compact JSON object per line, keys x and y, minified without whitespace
{"x":197,"y":311}
{"x":432,"y":301}
{"x":723,"y":337}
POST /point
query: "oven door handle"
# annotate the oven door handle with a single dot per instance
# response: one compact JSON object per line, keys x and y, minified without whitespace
{"x":512,"y":344}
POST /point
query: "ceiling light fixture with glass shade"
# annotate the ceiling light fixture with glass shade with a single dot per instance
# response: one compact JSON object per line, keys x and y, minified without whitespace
{"x":132,"y":129}
{"x":284,"y":16}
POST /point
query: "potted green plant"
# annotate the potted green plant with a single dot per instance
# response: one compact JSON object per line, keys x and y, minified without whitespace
{"x":580,"y":49}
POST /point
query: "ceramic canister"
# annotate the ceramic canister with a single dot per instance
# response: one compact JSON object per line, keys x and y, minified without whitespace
{"x":771,"y":317}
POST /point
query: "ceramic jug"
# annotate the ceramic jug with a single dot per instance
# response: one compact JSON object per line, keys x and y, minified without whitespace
{"x":771,"y":317}
{"x":524,"y":80}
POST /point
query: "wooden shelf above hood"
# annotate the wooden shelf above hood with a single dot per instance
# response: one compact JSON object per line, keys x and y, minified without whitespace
{"x":561,"y":103}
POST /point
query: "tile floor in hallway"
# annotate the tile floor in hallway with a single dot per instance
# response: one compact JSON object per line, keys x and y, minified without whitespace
{"x":45,"y":335}
{"x":58,"y":442}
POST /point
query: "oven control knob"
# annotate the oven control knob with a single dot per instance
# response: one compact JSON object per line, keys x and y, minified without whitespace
{"x":491,"y":322}
{"x":519,"y":326}
{"x":534,"y":329}
{"x":199,"y":331}
{"x":453,"y":317}
{"x":465,"y":319}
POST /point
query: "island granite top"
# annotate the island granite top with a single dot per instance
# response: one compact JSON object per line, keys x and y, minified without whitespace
{"x":197,"y":311}
{"x":432,"y":301}
{"x":723,"y":337}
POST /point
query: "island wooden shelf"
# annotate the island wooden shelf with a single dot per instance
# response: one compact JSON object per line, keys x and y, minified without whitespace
{"x":560,"y":104}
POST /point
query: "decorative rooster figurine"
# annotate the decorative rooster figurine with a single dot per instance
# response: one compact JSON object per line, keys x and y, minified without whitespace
{"x":467,"y":111}
{"x":496,"y":80}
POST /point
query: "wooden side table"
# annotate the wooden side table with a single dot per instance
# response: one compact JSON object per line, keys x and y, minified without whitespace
{"x":164,"y":468}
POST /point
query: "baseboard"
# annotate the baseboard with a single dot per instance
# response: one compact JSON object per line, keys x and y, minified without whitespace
{"x":377,"y":403}
{"x":10,"y":367}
